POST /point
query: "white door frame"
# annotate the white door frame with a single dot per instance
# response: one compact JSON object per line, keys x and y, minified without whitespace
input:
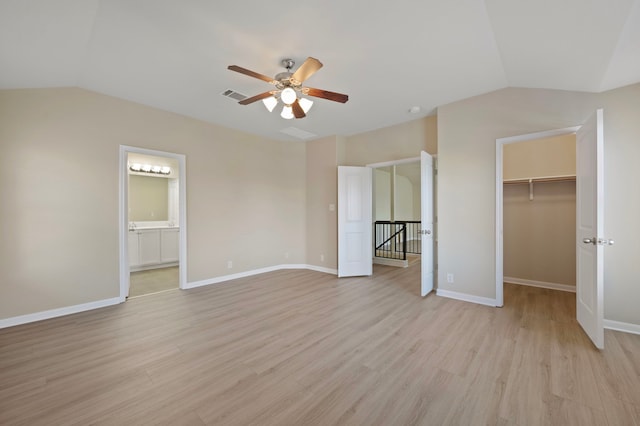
{"x":123,"y":222}
{"x":396,"y":162}
{"x":500,"y":143}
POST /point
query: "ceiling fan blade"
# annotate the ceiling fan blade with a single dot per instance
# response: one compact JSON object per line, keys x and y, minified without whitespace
{"x":325,"y":94}
{"x":298,"y":112}
{"x":251,"y":73}
{"x":255,"y":98}
{"x":307,"y":69}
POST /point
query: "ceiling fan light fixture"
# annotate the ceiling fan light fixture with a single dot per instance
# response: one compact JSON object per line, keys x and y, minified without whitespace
{"x":305,"y":104}
{"x":288,"y":86}
{"x":287,"y":112}
{"x":288,"y":96}
{"x":270,"y":103}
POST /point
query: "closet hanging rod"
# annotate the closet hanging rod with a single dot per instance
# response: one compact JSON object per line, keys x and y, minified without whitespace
{"x":563,"y":178}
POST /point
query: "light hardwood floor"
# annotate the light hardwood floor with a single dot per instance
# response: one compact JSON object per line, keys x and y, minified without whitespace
{"x":305,"y":348}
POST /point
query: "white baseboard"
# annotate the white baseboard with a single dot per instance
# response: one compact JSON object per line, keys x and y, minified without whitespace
{"x":245,"y":274}
{"x":466,"y":297}
{"x":391,"y":262}
{"x":320,"y":269}
{"x":68,"y":310}
{"x":229,"y":277}
{"x":622,"y":326}
{"x":53,"y":313}
{"x":608,"y":324}
{"x":541,"y":284}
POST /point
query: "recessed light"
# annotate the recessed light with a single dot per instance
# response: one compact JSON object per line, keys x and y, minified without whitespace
{"x":414,"y":109}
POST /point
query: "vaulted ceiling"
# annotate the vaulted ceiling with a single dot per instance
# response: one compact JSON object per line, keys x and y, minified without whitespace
{"x":387,"y":56}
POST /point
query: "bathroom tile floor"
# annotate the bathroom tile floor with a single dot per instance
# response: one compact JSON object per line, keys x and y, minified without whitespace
{"x":153,"y":281}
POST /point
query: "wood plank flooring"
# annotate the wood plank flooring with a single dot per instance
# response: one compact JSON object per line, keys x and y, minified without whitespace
{"x":305,"y":348}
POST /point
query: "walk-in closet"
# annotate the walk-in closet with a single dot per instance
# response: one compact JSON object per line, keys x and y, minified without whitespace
{"x":539,"y":212}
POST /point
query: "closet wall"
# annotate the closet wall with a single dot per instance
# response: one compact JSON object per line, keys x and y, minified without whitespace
{"x":539,"y":221}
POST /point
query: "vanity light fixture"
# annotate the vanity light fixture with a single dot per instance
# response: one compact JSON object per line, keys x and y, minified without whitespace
{"x":148,"y":168}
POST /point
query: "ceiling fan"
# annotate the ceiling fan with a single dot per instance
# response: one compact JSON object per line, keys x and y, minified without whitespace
{"x":289,"y":88}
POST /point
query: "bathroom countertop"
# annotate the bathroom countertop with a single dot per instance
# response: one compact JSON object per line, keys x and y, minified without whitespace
{"x":142,"y":226}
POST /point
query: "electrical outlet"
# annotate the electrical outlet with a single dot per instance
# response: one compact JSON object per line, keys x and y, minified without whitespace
{"x":229,"y":264}
{"x":286,"y":255}
{"x":322,"y":258}
{"x":450,"y":278}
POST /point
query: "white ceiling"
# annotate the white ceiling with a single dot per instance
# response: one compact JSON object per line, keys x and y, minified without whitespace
{"x":387,"y":56}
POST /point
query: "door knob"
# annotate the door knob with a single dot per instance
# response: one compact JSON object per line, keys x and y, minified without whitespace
{"x":598,"y":241}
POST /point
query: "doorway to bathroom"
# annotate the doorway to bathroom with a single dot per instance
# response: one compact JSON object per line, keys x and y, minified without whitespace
{"x":152,"y":221}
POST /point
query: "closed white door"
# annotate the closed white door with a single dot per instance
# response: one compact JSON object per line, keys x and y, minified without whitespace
{"x":355,"y":252}
{"x":426,"y":211}
{"x":590,"y":227}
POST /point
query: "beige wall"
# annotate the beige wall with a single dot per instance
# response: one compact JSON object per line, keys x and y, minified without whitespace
{"x":59,"y":191}
{"x":408,"y":197}
{"x":467,"y":133}
{"x":322,"y":192}
{"x":398,"y":142}
{"x":540,"y":234}
{"x":382,"y":193}
{"x":555,"y":156}
{"x":148,"y":198}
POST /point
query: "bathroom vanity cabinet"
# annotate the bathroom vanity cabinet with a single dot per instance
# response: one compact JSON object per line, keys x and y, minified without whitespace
{"x":153,"y":247}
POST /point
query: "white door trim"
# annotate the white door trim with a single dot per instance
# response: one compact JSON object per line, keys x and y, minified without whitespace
{"x":412,"y":160}
{"x":395,"y":162}
{"x":123,"y":223}
{"x":499,"y":198}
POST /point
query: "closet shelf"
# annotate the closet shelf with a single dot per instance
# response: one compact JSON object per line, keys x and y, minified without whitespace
{"x":561,"y":178}
{"x":541,"y":179}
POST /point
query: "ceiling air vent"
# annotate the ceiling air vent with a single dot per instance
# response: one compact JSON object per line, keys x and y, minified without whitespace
{"x":298,"y":133}
{"x":234,"y":95}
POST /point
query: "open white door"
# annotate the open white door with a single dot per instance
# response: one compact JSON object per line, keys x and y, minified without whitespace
{"x":590,"y":227}
{"x":426,"y":208}
{"x":355,"y":214}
